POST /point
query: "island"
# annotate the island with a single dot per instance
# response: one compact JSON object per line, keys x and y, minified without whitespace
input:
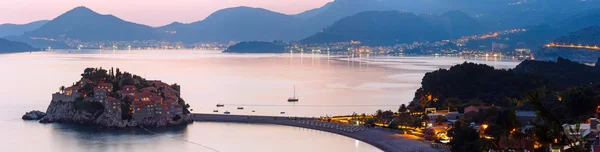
{"x":115,"y":99}
{"x":256,"y":47}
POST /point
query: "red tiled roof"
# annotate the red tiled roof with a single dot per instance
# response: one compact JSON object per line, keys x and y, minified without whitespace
{"x":148,"y":102}
{"x":144,"y":94}
{"x":99,"y":89}
{"x":86,"y":80}
{"x":157,"y":98}
{"x":111,"y":99}
{"x":516,"y":143}
{"x":148,"y":89}
{"x":105,"y":84}
{"x":73,"y":88}
{"x":170,"y":101}
{"x":126,"y":91}
{"x":158,"y":83}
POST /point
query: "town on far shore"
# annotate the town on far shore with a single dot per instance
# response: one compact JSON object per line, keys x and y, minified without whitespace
{"x":125,"y":95}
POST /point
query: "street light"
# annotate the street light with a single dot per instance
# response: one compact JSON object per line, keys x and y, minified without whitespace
{"x":484,"y":126}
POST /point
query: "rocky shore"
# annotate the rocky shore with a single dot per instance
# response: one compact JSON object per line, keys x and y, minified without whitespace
{"x":65,"y":112}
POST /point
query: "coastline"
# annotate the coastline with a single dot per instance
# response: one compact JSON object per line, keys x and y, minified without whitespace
{"x":381,"y":138}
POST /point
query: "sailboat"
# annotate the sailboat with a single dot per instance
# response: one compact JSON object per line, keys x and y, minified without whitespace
{"x":293,"y":99}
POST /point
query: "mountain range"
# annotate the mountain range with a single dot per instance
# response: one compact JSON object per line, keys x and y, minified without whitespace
{"x":393,"y":27}
{"x":84,"y":24}
{"x":19,"y":29}
{"x":241,"y":24}
{"x":324,"y":24}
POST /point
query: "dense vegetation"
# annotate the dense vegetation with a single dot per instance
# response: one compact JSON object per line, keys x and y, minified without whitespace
{"x":474,"y":83}
{"x":562,"y":74}
{"x":561,"y":92}
{"x":256,"y":47}
{"x":91,"y":107}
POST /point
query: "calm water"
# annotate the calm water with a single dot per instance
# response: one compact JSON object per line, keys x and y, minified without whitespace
{"x":326,"y":85}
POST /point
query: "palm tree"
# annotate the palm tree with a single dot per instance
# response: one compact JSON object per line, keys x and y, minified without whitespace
{"x":62,"y":89}
{"x":551,"y":129}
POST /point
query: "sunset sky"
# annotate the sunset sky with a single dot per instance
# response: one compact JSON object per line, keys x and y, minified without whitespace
{"x":149,"y":12}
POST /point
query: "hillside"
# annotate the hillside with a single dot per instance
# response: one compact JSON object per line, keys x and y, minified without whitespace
{"x":7,"y":46}
{"x":580,"y":20}
{"x":313,"y":12}
{"x":256,"y":47}
{"x":86,"y":25}
{"x":458,"y":23}
{"x":19,"y":29}
{"x":562,"y":73}
{"x":474,"y":84}
{"x":380,"y":28}
{"x":469,"y":81}
{"x":585,"y":36}
{"x":244,"y":24}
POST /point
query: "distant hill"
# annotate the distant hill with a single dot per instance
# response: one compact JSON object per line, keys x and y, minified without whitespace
{"x":562,"y":73}
{"x":467,"y":82}
{"x":339,"y":9}
{"x":585,"y":36}
{"x":313,"y":12}
{"x":580,"y":20}
{"x":256,"y":47}
{"x":244,"y":24}
{"x":84,"y":24}
{"x":7,"y":46}
{"x":38,"y":43}
{"x":19,"y":29}
{"x":542,"y":34}
{"x":458,"y":23}
{"x":394,"y":27}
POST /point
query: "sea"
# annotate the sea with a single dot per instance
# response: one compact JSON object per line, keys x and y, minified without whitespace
{"x":325,"y":84}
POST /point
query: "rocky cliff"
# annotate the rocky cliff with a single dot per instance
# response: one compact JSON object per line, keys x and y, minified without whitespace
{"x":65,"y":112}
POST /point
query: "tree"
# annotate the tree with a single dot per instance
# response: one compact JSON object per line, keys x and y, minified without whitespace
{"x":402,"y":109}
{"x":464,"y":138}
{"x":550,"y":130}
{"x":62,"y":89}
{"x":379,"y":115}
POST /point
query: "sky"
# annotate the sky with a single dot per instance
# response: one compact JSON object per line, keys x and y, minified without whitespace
{"x":148,"y":12}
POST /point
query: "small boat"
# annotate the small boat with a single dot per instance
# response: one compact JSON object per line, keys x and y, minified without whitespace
{"x":240,"y":108}
{"x":253,"y":111}
{"x":293,"y":99}
{"x":220,"y":105}
{"x":215,"y":110}
{"x":226,"y":112}
{"x":282,"y":113}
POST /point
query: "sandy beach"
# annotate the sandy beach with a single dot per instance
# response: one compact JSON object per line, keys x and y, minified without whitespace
{"x":382,"y":138}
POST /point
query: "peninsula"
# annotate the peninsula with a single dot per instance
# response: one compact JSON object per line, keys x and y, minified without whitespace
{"x":115,"y":99}
{"x":256,"y":47}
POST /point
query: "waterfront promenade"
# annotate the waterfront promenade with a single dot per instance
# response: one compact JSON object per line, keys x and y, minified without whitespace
{"x":382,"y":138}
